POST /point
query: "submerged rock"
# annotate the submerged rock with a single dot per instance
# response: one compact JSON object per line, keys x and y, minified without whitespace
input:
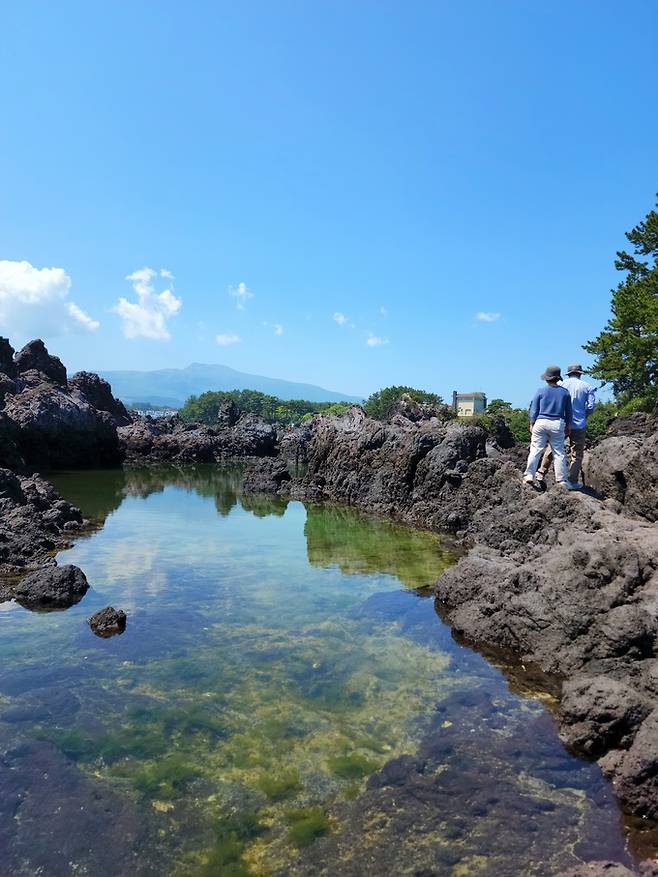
{"x":52,"y":588}
{"x":55,"y":799}
{"x":598,"y":869}
{"x":108,"y":622}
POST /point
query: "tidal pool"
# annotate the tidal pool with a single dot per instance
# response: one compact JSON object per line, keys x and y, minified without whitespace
{"x":284,"y":700}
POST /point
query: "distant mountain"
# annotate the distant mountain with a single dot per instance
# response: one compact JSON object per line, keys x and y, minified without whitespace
{"x":172,"y":386}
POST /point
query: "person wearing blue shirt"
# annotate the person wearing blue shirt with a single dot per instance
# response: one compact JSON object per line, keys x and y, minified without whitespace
{"x":550,"y":415}
{"x":583,"y":400}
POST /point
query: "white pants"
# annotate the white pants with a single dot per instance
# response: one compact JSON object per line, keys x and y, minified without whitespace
{"x":547,"y":431}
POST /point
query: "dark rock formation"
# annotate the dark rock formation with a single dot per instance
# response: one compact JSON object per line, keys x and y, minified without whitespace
{"x":34,"y":357}
{"x":625,"y":465}
{"x":108,"y":622}
{"x":54,"y":587}
{"x":401,"y":468}
{"x":599,"y":713}
{"x":268,"y":477}
{"x":34,"y":521}
{"x":170,"y":439}
{"x":53,"y":422}
{"x":228,"y":414}
{"x":635,"y":772}
{"x":7,"y":364}
{"x":89,"y":388}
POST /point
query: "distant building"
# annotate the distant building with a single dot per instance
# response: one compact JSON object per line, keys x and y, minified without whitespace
{"x":468,"y":404}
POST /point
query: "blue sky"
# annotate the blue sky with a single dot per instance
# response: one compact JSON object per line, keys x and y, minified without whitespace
{"x":337,"y":188}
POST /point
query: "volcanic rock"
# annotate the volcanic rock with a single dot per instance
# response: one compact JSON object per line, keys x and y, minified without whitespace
{"x":625,"y":465}
{"x":90,"y":388}
{"x":34,"y":521}
{"x":7,"y":364}
{"x":599,"y":714}
{"x":170,"y":439}
{"x":228,"y":414}
{"x":52,"y":423}
{"x":108,"y":622}
{"x":56,"y":587}
{"x":35,"y":357}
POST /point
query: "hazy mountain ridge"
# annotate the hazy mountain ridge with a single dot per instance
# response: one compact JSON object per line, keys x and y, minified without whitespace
{"x":172,"y":386}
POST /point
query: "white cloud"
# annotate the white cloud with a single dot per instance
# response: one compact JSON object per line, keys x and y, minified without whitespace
{"x":278,"y":329}
{"x":241,"y":293}
{"x":487,"y":316}
{"x":375,"y":340}
{"x":383,"y":311}
{"x":228,"y":339}
{"x":82,"y":319}
{"x":147,"y":317}
{"x":341,"y":319}
{"x":33,"y":301}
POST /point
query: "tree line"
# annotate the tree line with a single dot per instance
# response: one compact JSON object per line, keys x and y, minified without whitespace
{"x":205,"y":407}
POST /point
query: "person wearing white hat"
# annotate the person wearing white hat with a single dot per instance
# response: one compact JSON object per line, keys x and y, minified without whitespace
{"x":583,"y":400}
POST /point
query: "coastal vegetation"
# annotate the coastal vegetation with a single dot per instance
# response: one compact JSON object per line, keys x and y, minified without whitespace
{"x":205,"y":407}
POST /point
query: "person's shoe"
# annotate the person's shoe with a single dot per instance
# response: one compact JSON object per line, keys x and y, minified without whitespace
{"x":539,"y":476}
{"x":528,"y":479}
{"x":569,"y":485}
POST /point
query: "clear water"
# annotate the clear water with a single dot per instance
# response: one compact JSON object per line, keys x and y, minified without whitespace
{"x":276,"y":655}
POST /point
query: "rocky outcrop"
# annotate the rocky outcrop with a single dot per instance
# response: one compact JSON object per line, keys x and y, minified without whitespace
{"x":625,"y":465}
{"x":402,"y":468}
{"x":53,"y":422}
{"x":34,"y":357}
{"x":57,"y":587}
{"x":108,"y":622}
{"x":170,"y":439}
{"x":34,"y":522}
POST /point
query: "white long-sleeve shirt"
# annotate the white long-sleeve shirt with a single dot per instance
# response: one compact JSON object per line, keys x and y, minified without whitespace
{"x":583,"y":399}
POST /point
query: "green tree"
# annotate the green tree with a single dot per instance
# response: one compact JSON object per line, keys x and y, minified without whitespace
{"x":498,"y":406}
{"x":518,"y":424}
{"x":379,"y":404}
{"x":626,"y":350}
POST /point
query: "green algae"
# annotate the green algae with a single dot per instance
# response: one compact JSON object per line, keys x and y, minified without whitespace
{"x":307,"y":824}
{"x":352,"y":766}
{"x":278,"y":788}
{"x":233,"y":833}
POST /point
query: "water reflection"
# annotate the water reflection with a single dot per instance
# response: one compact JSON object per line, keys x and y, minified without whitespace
{"x":275,"y":659}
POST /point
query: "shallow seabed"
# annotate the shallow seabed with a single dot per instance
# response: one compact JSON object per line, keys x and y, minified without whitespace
{"x":277,"y":655}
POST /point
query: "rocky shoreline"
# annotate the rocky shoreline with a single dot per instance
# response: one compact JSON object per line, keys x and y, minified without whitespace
{"x":566,"y":582}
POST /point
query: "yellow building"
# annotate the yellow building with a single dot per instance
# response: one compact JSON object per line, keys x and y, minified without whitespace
{"x":468,"y":404}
